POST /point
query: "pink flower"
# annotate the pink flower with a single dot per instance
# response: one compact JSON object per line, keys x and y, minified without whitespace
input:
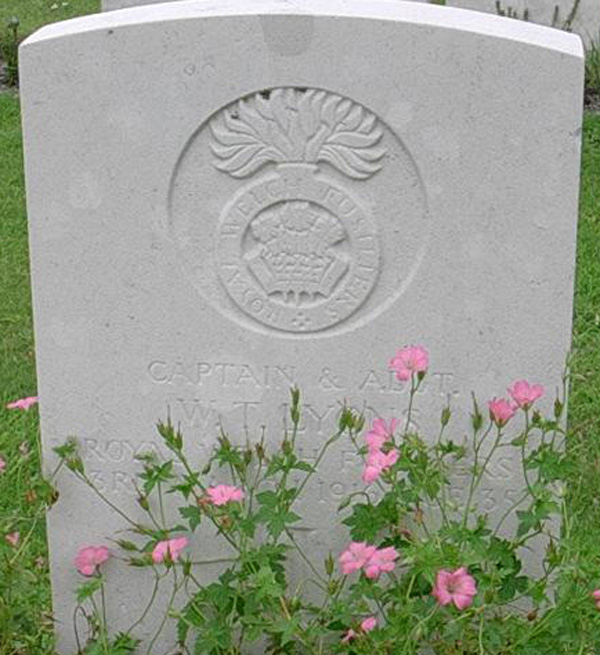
{"x":2,"y":465}
{"x":223,"y":494}
{"x":456,"y":587}
{"x":89,"y":558}
{"x":369,"y":624}
{"x":501,"y":411}
{"x":409,"y":360}
{"x":355,"y":557}
{"x":349,"y":636}
{"x":170,"y":548}
{"x":374,"y":561}
{"x":596,"y":597}
{"x":379,"y":433}
{"x":13,"y":538}
{"x":377,"y":463}
{"x":382,"y":561}
{"x":525,"y":394}
{"x":23,"y":403}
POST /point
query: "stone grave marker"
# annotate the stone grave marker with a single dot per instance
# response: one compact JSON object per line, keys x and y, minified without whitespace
{"x":579,"y":16}
{"x":421,"y":165}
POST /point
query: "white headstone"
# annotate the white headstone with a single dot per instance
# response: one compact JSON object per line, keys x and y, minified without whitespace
{"x":171,"y":157}
{"x":579,"y":16}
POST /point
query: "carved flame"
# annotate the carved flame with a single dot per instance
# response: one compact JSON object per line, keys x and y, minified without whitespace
{"x":293,"y":125}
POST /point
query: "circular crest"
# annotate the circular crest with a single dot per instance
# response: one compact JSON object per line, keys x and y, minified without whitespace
{"x":296,"y":243}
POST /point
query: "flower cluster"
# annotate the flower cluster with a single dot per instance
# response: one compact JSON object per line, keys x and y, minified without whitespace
{"x":372,"y":560}
{"x":523,"y":396}
{"x":418,"y":604}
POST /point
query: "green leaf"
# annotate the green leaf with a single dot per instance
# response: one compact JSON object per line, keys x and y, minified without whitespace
{"x":367,"y":521}
{"x":68,"y":449}
{"x":123,"y":644}
{"x":192,"y":515}
{"x":268,"y":499}
{"x":127,"y":545}
{"x":304,"y":466}
{"x":88,"y":589}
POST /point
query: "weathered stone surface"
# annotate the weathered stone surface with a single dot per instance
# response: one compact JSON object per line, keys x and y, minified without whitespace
{"x":444,"y":213}
{"x":555,"y":13}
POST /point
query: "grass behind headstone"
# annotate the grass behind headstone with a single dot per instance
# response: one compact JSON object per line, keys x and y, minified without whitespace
{"x":32,"y":14}
{"x":25,"y":625}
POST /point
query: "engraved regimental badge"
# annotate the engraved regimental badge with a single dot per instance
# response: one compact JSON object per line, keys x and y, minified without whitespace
{"x":296,"y":250}
{"x":297,"y":210}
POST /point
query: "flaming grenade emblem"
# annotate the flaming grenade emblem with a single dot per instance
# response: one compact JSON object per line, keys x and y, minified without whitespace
{"x":296,"y":250}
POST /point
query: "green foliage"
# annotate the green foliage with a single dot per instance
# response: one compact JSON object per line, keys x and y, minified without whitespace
{"x":592,"y":70}
{"x":122,"y":644}
{"x":513,"y":610}
{"x":559,"y":21}
{"x":9,"y":50}
{"x":33,"y":14}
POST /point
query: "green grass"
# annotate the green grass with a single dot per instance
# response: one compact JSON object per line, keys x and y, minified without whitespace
{"x":32,"y":14}
{"x":24,"y":586}
{"x":585,"y":390}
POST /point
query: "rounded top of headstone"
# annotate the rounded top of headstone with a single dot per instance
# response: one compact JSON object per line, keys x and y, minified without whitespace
{"x":400,"y":11}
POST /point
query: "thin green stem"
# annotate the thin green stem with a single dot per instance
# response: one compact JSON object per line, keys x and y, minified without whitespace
{"x":306,"y":559}
{"x":118,"y":510}
{"x":176,"y":588}
{"x":157,"y":579}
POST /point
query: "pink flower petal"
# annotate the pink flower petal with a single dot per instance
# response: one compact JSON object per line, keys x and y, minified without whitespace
{"x":462,"y":601}
{"x":525,"y":394}
{"x":457,"y":587}
{"x":23,"y":403}
{"x":169,"y":548}
{"x":369,"y":624}
{"x":89,"y":558}
{"x":13,"y":538}
{"x":501,"y":411}
{"x":409,"y":360}
{"x":223,"y":494}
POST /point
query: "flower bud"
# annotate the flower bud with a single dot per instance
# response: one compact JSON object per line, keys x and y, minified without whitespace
{"x":558,"y":409}
{"x":127,"y":545}
{"x":329,"y":565}
{"x":359,"y":422}
{"x":445,"y":418}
